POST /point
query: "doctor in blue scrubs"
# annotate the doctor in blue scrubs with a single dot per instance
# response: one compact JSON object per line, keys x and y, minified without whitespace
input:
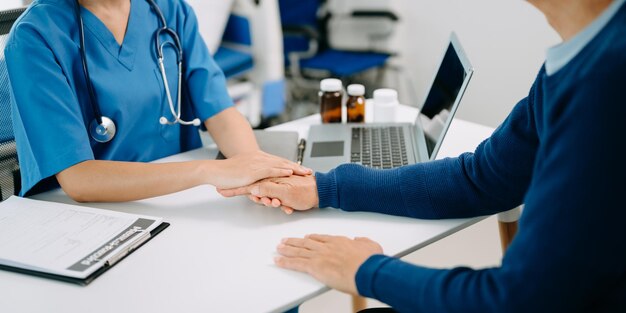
{"x":89,"y":114}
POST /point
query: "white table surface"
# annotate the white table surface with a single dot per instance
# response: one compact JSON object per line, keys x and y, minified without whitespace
{"x":217,"y":255}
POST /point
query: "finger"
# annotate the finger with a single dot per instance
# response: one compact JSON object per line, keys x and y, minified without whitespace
{"x":287,"y":210}
{"x":273,"y":172}
{"x":275,"y":203}
{"x":320,"y":238}
{"x":266,"y":201}
{"x":291,"y":251}
{"x":255,"y":199}
{"x":239,"y":191}
{"x":295,"y":167}
{"x":301,"y":170}
{"x":365,"y":239}
{"x":295,"y":264}
{"x":302,"y":243}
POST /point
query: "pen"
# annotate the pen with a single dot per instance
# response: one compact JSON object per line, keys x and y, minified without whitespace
{"x":120,"y":255}
{"x":301,"y":146}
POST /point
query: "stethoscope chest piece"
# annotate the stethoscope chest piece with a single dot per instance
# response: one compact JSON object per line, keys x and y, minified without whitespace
{"x":102,"y":132}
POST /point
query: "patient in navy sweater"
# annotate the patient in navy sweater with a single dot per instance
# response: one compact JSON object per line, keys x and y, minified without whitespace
{"x":560,"y":153}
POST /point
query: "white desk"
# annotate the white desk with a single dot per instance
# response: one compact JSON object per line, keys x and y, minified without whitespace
{"x":217,"y":256}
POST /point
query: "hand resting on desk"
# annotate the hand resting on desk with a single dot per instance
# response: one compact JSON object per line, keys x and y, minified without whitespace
{"x":333,"y":260}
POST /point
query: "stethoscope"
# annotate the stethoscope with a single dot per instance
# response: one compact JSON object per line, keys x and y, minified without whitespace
{"x":102,"y":129}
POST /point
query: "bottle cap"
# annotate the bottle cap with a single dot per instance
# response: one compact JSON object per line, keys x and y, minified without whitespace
{"x":331,"y":84}
{"x":385,"y":96}
{"x":356,"y":90}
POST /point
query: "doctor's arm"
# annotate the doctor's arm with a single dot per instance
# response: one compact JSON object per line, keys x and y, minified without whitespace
{"x":114,"y":181}
{"x":232,"y":133}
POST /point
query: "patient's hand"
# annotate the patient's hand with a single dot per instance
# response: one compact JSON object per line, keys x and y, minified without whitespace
{"x":289,"y":193}
{"x":333,"y":260}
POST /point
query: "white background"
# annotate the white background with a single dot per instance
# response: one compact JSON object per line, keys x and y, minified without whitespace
{"x":505,"y":40}
{"x":10,"y":4}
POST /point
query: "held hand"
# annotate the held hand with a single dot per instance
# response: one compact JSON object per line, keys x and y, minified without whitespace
{"x":290,"y":193}
{"x":245,"y":169}
{"x":332,"y":260}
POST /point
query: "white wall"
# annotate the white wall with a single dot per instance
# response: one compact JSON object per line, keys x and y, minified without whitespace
{"x":10,"y":4}
{"x":505,"y":40}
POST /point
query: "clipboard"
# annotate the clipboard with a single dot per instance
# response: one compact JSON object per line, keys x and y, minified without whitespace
{"x":85,"y":240}
{"x":84,"y":281}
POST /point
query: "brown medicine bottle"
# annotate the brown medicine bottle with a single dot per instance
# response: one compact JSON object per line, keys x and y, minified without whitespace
{"x":330,"y":100}
{"x":356,"y":104}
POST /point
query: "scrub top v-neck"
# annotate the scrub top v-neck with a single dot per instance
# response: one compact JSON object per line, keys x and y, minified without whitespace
{"x":125,"y":53}
{"x":51,"y":108}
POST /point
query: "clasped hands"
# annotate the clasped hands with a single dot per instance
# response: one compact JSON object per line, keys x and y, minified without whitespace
{"x":333,"y":260}
{"x":290,"y":193}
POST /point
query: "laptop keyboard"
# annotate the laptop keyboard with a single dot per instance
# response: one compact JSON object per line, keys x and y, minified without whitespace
{"x":378,"y":147}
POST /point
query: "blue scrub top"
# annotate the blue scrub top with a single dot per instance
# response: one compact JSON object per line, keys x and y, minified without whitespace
{"x":51,"y":108}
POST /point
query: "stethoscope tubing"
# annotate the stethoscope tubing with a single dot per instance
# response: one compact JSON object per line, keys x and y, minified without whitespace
{"x":103,"y":129}
{"x":90,"y":89}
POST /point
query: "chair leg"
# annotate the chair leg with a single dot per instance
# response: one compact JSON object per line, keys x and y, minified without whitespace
{"x":507,"y":223}
{"x":358,"y":303}
{"x":507,"y":232}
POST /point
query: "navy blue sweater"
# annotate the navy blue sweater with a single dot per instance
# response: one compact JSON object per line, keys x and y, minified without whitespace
{"x":561,"y":153}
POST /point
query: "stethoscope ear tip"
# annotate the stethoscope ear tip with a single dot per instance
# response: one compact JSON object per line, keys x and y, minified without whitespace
{"x":163,"y":120}
{"x":196,"y":122}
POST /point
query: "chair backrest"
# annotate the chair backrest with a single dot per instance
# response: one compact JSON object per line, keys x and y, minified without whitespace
{"x":295,"y":14}
{"x":299,"y":12}
{"x":10,"y":181}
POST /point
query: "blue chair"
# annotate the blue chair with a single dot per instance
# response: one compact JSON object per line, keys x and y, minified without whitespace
{"x":235,"y":62}
{"x":247,"y":56}
{"x":307,"y":53}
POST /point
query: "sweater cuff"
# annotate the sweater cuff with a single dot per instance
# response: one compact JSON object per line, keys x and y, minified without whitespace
{"x":327,"y":190}
{"x":366,"y":274}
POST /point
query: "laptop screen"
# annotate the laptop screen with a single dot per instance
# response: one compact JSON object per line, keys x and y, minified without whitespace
{"x":444,"y":96}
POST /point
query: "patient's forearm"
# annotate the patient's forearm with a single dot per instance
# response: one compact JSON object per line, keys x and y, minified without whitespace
{"x":112,"y":181}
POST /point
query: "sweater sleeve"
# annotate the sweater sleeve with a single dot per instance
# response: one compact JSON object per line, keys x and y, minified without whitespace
{"x":492,"y":179}
{"x":567,"y":255}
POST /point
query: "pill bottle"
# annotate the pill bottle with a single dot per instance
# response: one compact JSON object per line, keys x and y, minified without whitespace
{"x":385,"y":105}
{"x":330,"y":100}
{"x":356,"y":103}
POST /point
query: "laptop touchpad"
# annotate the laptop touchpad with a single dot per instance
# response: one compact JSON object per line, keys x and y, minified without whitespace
{"x":327,"y":149}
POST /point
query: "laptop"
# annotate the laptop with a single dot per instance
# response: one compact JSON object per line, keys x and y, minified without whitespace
{"x":389,"y":145}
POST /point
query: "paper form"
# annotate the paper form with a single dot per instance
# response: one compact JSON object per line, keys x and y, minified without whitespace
{"x":65,"y":239}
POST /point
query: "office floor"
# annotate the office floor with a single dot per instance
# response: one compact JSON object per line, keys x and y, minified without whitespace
{"x":476,"y":246}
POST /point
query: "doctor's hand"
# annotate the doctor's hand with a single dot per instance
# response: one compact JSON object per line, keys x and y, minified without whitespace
{"x":333,"y":260}
{"x":289,"y":193}
{"x":247,"y":168}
